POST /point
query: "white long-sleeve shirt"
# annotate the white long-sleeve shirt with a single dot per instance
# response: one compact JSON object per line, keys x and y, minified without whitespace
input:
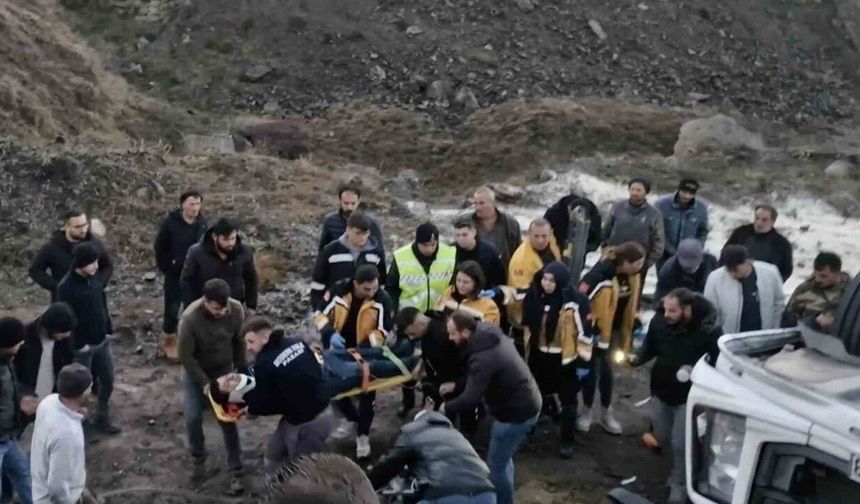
{"x":57,"y":460}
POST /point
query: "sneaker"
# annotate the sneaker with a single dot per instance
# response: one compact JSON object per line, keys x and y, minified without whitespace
{"x":583,"y":420}
{"x":237,"y":487}
{"x":346,"y":430}
{"x":106,"y":427}
{"x":609,"y":423}
{"x":362,"y":447}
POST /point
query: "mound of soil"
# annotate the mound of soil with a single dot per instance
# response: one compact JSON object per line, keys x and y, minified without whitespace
{"x":774,"y":59}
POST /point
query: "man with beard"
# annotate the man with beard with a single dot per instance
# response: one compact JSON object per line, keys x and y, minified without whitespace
{"x":685,"y":329}
{"x":181,"y":229}
{"x":820,"y":293}
{"x":335,"y":223}
{"x":289,"y":382}
{"x":684,"y":217}
{"x":210,"y":345}
{"x":55,"y":257}
{"x":764,"y":242}
{"x":221,"y":254}
{"x":501,"y":379}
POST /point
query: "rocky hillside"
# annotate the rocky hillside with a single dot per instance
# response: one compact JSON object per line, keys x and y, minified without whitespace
{"x":777,"y":59}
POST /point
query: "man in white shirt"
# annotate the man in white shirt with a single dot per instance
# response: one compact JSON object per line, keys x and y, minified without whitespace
{"x":57,"y":460}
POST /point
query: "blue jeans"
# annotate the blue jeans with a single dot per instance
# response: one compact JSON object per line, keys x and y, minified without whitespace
{"x":195,"y":405}
{"x":505,"y":440}
{"x":16,"y":467}
{"x":484,"y":498}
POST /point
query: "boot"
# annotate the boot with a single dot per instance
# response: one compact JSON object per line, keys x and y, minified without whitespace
{"x":568,"y":425}
{"x":609,"y":423}
{"x":169,"y":343}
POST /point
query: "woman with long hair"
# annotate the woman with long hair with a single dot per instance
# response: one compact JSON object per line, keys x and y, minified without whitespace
{"x":464,"y":295}
{"x":613,"y":291}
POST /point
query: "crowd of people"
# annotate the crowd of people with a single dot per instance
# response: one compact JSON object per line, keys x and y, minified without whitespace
{"x":491,"y":325}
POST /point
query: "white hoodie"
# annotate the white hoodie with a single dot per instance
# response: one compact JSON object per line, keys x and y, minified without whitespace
{"x":726,"y":294}
{"x":57,"y":461}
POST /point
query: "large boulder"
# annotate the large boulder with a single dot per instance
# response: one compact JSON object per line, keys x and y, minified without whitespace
{"x":716,"y":136}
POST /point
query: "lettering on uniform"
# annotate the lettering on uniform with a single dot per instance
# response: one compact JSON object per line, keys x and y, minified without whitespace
{"x":289,"y":354}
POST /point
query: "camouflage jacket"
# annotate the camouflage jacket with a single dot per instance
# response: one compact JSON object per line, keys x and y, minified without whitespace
{"x":808,"y":299}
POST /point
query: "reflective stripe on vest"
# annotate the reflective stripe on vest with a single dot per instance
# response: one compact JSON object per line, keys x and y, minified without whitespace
{"x":417,"y":288}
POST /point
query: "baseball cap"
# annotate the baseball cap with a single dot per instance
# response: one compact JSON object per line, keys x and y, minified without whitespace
{"x":689,"y":185}
{"x":690,"y":254}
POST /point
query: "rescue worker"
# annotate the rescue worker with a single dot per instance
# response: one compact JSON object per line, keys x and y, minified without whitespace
{"x":495,"y":226}
{"x":764,"y":242}
{"x":221,"y":254}
{"x":819,"y":293}
{"x":635,"y":220}
{"x":181,"y":229}
{"x":537,"y":251}
{"x":558,"y":341}
{"x":472,"y":248}
{"x":421,"y":271}
{"x":335,"y":223}
{"x":338,"y":260}
{"x":359,"y":314}
{"x":684,"y":217}
{"x":613,"y":291}
{"x":465,"y":295}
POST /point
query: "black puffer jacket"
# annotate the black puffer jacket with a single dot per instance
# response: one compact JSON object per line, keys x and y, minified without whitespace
{"x":86,"y":296}
{"x":29,"y":357}
{"x":55,"y":258}
{"x":438,"y":455}
{"x":498,"y":375}
{"x":203,"y":264}
{"x":174,"y":238}
{"x":558,"y":216}
{"x":677,"y":345}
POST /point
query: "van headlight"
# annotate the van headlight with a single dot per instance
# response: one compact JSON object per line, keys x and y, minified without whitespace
{"x":720,"y":441}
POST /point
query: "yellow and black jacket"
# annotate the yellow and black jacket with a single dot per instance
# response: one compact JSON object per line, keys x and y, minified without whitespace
{"x":567,"y":317}
{"x":375,"y":317}
{"x":483,"y":309}
{"x":606,"y":292}
{"x":524,"y":264}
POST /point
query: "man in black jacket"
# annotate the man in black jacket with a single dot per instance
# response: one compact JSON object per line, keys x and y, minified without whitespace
{"x":289,"y":382}
{"x":13,"y":409}
{"x":335,"y":223}
{"x":558,"y":216}
{"x":181,"y":229}
{"x":685,"y":329}
{"x":764,"y":242}
{"x":83,"y":290}
{"x":689,"y":268}
{"x":50,"y":333}
{"x":339,"y":259}
{"x":221,"y":254}
{"x":439,"y":457}
{"x":471,"y":248}
{"x":55,"y":257}
{"x":498,"y":376}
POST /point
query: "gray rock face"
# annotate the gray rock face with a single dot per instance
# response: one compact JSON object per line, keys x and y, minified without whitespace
{"x":716,"y":136}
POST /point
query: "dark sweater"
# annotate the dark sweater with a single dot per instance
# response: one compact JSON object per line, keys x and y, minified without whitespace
{"x":207,"y":344}
{"x":672,"y":275}
{"x":174,"y":238}
{"x":498,"y":375}
{"x":677,"y":345}
{"x":289,"y":381}
{"x":334,"y":226}
{"x":237,"y":269}
{"x":29,"y":357}
{"x":488,"y":257}
{"x":86,"y":296}
{"x":55,"y":258}
{"x":770,"y":247}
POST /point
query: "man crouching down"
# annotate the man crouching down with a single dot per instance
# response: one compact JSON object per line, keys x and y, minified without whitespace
{"x":288,"y":382}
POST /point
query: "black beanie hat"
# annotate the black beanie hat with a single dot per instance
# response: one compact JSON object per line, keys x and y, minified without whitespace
{"x":426,"y":232}
{"x":11,"y":332}
{"x":640,"y":180}
{"x":58,"y":318}
{"x":73,"y":381}
{"x":85,"y":254}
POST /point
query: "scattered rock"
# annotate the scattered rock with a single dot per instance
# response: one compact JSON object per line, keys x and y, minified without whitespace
{"x":841,"y":168}
{"x":271,"y":107}
{"x":208,"y":144}
{"x":405,"y":184}
{"x":694,"y":98}
{"x":414,"y":30}
{"x":416,"y":207}
{"x":484,"y":56}
{"x":149,"y":276}
{"x":284,"y":138}
{"x":256,"y":73}
{"x":597,"y":29}
{"x":716,"y":136}
{"x":440,"y":89}
{"x":507,"y":193}
{"x":377,"y":74}
{"x":466,"y":97}
{"x":547,"y":175}
{"x":525,"y":5}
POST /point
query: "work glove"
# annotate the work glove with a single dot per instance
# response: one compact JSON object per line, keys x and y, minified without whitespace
{"x":487,"y":293}
{"x":582,"y":372}
{"x":337,"y":341}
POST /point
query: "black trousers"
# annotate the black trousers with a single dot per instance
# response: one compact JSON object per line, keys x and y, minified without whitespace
{"x":363,"y":415}
{"x":172,"y":303}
